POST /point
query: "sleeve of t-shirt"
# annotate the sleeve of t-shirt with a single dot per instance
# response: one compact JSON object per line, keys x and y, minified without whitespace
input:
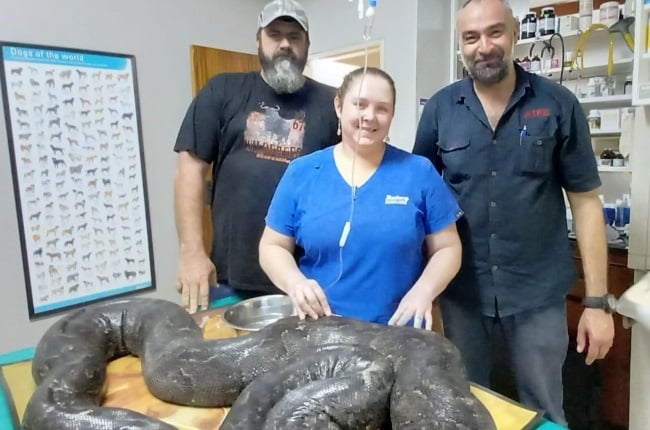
{"x":199,"y":131}
{"x":426,"y":137}
{"x":281,"y":215}
{"x":441,"y":208}
{"x":578,"y":164}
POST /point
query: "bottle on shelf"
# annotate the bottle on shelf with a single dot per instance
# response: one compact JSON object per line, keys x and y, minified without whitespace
{"x":606,"y":157}
{"x":529,"y":25}
{"x":535,"y":64}
{"x":609,"y":13}
{"x":585,"y":8}
{"x":594,"y":120}
{"x":622,"y":211}
{"x":627,"y":87}
{"x":547,"y":21}
{"x":627,"y":208}
{"x":618,"y":160}
{"x":594,"y":86}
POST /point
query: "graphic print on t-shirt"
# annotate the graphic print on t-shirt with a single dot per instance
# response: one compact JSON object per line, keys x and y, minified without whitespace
{"x":272,"y":137}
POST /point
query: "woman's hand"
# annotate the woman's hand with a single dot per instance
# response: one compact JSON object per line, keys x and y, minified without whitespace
{"x":309,"y":299}
{"x":444,"y":255}
{"x":417,"y":304}
{"x":278,"y":262}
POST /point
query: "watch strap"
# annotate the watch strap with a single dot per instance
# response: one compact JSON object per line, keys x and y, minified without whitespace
{"x":598,"y":302}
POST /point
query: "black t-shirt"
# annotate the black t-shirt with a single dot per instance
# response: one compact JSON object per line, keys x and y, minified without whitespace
{"x":251,"y":133}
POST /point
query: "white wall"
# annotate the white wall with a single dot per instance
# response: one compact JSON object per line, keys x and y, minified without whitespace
{"x":158,"y":33}
{"x":433,"y":42}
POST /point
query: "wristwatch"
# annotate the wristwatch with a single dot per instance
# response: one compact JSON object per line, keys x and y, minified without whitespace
{"x":606,"y":303}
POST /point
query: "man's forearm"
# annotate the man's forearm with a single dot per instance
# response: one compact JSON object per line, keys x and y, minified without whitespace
{"x":590,"y":233}
{"x":189,"y":183}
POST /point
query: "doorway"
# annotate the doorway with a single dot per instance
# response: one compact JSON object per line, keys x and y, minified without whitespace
{"x":330,"y":67}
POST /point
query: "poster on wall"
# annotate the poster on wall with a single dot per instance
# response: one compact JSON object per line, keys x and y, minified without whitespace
{"x":75,"y":144}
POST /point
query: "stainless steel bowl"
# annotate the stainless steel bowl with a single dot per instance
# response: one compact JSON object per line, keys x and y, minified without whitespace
{"x":258,"y":312}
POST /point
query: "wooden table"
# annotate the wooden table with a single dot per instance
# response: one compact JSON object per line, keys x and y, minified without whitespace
{"x":126,"y":387}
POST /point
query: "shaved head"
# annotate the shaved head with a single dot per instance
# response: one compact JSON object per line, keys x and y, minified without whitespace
{"x":507,"y":5}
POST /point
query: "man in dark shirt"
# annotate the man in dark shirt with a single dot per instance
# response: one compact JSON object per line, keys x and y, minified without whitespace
{"x":249,"y":126}
{"x":508,"y":143}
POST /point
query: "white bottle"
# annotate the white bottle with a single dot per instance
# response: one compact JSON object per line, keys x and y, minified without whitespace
{"x":586,"y":8}
{"x":627,"y":205}
{"x":630,"y":8}
{"x":622,"y":209}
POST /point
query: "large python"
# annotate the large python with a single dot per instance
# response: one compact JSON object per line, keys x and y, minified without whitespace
{"x":332,"y":373}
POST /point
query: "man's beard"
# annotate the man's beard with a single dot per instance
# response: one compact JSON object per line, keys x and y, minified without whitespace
{"x":283,"y":72}
{"x":490,"y":69}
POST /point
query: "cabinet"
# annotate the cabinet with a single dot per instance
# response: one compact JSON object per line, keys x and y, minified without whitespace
{"x":615,"y":368}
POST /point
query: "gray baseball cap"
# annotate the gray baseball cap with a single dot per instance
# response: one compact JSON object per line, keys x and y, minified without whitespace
{"x":279,"y":8}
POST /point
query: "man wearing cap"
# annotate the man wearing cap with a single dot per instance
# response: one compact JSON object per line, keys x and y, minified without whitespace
{"x":248,"y":126}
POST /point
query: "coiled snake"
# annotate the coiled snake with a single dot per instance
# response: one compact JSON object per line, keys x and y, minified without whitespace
{"x":333,"y":373}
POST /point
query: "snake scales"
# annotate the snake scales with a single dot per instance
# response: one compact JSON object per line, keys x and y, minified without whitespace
{"x":333,"y":373}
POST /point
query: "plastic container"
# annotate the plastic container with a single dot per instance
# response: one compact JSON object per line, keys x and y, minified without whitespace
{"x":622,"y":211}
{"x":568,"y":59}
{"x":627,"y":87}
{"x":618,"y":160}
{"x":586,"y":8}
{"x":535,"y":64}
{"x":594,"y":87}
{"x":606,"y":157}
{"x":594,"y":122}
{"x":609,"y":13}
{"x":609,"y":209}
{"x":547,"y":21}
{"x":529,"y":26}
{"x":627,"y":206}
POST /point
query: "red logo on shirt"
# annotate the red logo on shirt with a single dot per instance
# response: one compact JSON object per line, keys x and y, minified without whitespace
{"x":535,"y":113}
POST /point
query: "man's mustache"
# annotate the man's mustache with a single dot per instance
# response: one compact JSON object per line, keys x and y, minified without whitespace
{"x":490,"y":57}
{"x":289,"y":55}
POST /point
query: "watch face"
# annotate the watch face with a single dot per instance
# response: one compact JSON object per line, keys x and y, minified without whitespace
{"x":611,"y":302}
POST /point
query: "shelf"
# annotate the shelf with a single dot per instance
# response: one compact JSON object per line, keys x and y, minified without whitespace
{"x":539,"y":39}
{"x":623,"y":66}
{"x":604,"y":133}
{"x":645,"y":56}
{"x":611,"y":169}
{"x":620,"y":100}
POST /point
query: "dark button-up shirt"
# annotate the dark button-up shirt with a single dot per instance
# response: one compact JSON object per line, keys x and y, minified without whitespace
{"x":509,"y":183}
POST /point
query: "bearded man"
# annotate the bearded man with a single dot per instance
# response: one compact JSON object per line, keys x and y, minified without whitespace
{"x":508,"y":143}
{"x":247,"y":127}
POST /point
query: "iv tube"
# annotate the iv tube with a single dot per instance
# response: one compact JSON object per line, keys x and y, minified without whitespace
{"x":369,"y":19}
